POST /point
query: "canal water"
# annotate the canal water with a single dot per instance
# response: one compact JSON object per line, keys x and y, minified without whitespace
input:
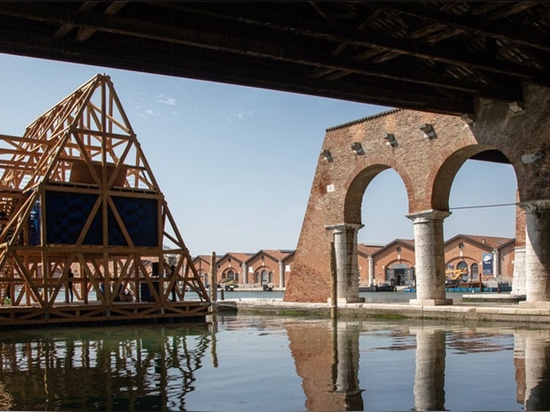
{"x":370,"y":297}
{"x":273,"y":363}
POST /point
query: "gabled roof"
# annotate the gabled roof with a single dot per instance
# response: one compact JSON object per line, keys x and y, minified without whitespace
{"x":408,"y":243}
{"x":275,"y":254}
{"x":239,"y":257}
{"x":204,"y":258}
{"x":367,"y":249}
{"x":489,"y":242}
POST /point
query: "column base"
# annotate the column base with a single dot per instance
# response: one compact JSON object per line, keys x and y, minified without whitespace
{"x":430,"y":302}
{"x":535,"y":305}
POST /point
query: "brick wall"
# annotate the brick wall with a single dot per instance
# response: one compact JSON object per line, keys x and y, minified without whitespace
{"x":426,"y":166}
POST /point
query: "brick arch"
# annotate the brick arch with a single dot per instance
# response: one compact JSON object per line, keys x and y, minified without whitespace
{"x":397,"y":261}
{"x":355,"y":153}
{"x":443,"y":177}
{"x":358,"y":181}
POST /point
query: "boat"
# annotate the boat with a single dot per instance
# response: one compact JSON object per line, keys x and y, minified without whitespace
{"x":469,"y":287}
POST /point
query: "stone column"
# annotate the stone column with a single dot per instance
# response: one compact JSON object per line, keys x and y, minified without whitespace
{"x":347,"y":266}
{"x":281,"y":274}
{"x":537,"y":253}
{"x":518,"y":276}
{"x":244,"y":274}
{"x":370,"y":261}
{"x":496,"y":263}
{"x":429,"y":255}
{"x":429,"y":379}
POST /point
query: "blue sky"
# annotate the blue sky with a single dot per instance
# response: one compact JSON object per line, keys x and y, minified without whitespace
{"x":236,"y":164}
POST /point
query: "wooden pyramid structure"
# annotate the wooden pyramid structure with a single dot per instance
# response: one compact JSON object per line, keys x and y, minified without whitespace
{"x":82,"y":214}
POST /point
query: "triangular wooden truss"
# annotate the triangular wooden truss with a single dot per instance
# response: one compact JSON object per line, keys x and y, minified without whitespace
{"x":77,"y":193}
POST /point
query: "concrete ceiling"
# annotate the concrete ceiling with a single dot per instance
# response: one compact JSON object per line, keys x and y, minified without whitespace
{"x":436,"y":56}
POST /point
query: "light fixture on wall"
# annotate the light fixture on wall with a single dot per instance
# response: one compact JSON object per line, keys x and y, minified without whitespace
{"x":357,"y":148}
{"x":326,"y":154}
{"x":428,"y":131}
{"x":390,"y":139}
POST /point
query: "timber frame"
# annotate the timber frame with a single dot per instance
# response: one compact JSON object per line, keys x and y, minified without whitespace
{"x":72,"y":222}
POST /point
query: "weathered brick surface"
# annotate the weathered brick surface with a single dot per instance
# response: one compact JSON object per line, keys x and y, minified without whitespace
{"x":427,"y":168}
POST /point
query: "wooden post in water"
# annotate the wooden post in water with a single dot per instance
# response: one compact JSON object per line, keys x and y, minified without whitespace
{"x":334,"y":290}
{"x":213,"y":270}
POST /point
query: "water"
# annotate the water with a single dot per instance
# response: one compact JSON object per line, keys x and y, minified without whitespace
{"x":370,"y":297}
{"x":272,"y":363}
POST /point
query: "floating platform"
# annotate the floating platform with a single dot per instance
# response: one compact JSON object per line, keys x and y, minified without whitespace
{"x":96,"y":313}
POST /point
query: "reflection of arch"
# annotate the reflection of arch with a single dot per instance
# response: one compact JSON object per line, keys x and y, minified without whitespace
{"x":327,"y":359}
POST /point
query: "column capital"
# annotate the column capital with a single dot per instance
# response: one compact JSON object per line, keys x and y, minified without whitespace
{"x":343,"y":226}
{"x":428,"y":215}
{"x":533,"y":206}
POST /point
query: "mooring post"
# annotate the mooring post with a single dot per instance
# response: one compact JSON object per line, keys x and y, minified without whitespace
{"x":334,"y":286}
{"x":213,"y":270}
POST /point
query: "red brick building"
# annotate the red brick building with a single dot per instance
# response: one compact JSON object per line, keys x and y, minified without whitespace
{"x":269,"y":267}
{"x":249,"y":270}
{"x":394,"y":263}
{"x":396,"y":260}
{"x":377,"y":264}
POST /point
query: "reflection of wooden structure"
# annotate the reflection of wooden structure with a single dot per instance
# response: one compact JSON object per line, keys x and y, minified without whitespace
{"x":77,"y":193}
{"x":104,"y":368}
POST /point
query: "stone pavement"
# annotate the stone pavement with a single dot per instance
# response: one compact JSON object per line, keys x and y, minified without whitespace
{"x":491,"y":311}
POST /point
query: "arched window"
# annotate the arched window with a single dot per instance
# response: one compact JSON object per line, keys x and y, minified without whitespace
{"x":474,"y":270}
{"x":464,"y":267}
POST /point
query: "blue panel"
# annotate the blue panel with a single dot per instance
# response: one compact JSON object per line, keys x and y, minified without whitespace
{"x":66,"y":214}
{"x":140,"y":217}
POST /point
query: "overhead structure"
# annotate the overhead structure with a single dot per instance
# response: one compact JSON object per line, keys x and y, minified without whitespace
{"x":85,"y":231}
{"x":437,"y":56}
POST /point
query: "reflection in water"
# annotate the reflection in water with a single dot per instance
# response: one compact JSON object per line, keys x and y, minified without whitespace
{"x":345,"y":365}
{"x":429,"y":381}
{"x":92,"y":369}
{"x":327,"y":360}
{"x":246,"y":363}
{"x":536,"y":351}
